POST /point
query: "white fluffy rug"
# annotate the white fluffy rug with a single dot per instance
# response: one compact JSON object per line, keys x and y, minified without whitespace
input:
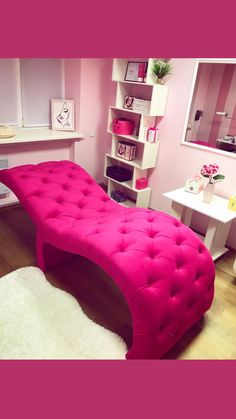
{"x":39,"y":321}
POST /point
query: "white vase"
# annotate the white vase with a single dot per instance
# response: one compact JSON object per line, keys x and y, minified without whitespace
{"x":208,"y":193}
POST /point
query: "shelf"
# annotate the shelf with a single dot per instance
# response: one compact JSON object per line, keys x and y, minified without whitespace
{"x":129,"y":137}
{"x":30,"y":135}
{"x":128,"y":203}
{"x":130,"y":111}
{"x":134,"y":82}
{"x":128,"y":185}
{"x":134,"y":163}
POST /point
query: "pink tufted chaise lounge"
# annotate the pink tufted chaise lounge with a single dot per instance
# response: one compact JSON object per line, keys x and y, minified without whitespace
{"x":164,"y":271}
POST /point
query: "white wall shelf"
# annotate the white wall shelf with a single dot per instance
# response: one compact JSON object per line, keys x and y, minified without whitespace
{"x":146,"y":152}
{"x":28,"y":135}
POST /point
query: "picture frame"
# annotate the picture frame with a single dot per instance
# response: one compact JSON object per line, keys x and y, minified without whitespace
{"x":129,"y":102}
{"x":136,"y":71}
{"x":62,"y":114}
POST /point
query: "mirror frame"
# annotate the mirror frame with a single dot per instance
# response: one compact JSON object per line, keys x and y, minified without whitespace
{"x":197,"y":62}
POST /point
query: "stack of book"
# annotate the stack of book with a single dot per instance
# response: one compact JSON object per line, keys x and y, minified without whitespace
{"x":141,"y":105}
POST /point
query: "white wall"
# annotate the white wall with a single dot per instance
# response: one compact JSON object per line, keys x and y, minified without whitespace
{"x":178,"y":162}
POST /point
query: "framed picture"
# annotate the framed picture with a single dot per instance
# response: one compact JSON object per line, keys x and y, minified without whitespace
{"x":62,"y":114}
{"x":129,"y":101}
{"x":136,"y":71}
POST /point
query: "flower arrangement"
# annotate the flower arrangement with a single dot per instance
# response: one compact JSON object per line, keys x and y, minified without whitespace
{"x":211,"y":172}
{"x":161,"y":68}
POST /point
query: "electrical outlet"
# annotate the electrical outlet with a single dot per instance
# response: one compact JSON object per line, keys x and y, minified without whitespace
{"x":92,"y":133}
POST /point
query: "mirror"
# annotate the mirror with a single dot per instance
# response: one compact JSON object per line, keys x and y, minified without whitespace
{"x":211,"y":119}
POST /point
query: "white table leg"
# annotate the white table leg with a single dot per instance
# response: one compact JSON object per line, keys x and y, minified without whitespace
{"x":188,"y":216}
{"x":176,"y":210}
{"x":222,"y":234}
{"x":210,"y":234}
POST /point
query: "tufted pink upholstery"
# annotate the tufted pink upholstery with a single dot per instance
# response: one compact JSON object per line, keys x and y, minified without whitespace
{"x":164,"y":271}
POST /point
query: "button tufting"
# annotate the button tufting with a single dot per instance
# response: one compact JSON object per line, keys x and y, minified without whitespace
{"x":153,"y":234}
{"x":123,"y":230}
{"x":179,"y":242}
{"x":179,"y":265}
{"x":86,"y":192}
{"x":198,"y":274}
{"x":65,"y":187}
{"x":38,"y":193}
{"x":177,"y":224}
{"x":80,"y":205}
{"x":45,"y":180}
{"x":60,"y":200}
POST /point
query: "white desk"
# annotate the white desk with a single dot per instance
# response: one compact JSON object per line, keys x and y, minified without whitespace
{"x":220,"y":218}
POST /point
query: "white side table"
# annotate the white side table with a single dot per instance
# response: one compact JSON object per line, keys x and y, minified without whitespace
{"x":220,"y":218}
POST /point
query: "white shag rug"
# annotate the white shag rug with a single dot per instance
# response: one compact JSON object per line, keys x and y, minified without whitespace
{"x":39,"y":321}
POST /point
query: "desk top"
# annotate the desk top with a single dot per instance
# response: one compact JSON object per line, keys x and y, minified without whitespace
{"x":217,"y":209}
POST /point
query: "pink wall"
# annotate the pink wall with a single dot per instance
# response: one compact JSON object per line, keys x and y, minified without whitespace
{"x":88,"y":81}
{"x":178,"y":162}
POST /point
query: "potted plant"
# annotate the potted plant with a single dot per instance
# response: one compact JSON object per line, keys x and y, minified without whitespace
{"x":161,"y":68}
{"x":211,"y":172}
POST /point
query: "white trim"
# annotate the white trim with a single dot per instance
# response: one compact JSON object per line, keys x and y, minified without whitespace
{"x":209,"y":149}
{"x":190,"y":101}
{"x":36,"y":126}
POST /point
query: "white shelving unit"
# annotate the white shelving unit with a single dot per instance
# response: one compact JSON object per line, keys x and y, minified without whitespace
{"x":146,"y":152}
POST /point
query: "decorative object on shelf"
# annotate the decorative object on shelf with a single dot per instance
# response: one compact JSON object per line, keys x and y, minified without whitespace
{"x":161,"y":68}
{"x":62,"y":114}
{"x":119,"y":173}
{"x":194,"y":184}
{"x":211,"y":172}
{"x":151,"y":134}
{"x":6,"y":131}
{"x":126,"y":150}
{"x":136,"y":71}
{"x":232,"y":202}
{"x":141,"y":183}
{"x":118,"y":196}
{"x":129,"y":100}
{"x":122,"y":126}
{"x":141,"y":105}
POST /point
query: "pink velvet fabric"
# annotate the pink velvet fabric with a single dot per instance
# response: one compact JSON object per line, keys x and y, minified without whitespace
{"x":163,"y":269}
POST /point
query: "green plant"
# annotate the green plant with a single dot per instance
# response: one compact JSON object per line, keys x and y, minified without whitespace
{"x":161,"y":68}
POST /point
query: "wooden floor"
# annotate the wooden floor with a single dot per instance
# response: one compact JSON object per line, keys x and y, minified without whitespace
{"x":214,"y":337}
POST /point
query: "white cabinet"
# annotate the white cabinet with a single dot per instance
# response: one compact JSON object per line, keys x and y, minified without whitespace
{"x":146,"y":152}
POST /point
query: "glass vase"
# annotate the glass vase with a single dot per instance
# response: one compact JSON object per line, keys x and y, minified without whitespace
{"x":208,"y":193}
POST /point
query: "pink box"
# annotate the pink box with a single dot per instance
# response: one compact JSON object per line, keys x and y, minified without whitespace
{"x":141,"y":183}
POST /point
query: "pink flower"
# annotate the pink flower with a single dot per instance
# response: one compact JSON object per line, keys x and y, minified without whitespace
{"x":210,"y":171}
